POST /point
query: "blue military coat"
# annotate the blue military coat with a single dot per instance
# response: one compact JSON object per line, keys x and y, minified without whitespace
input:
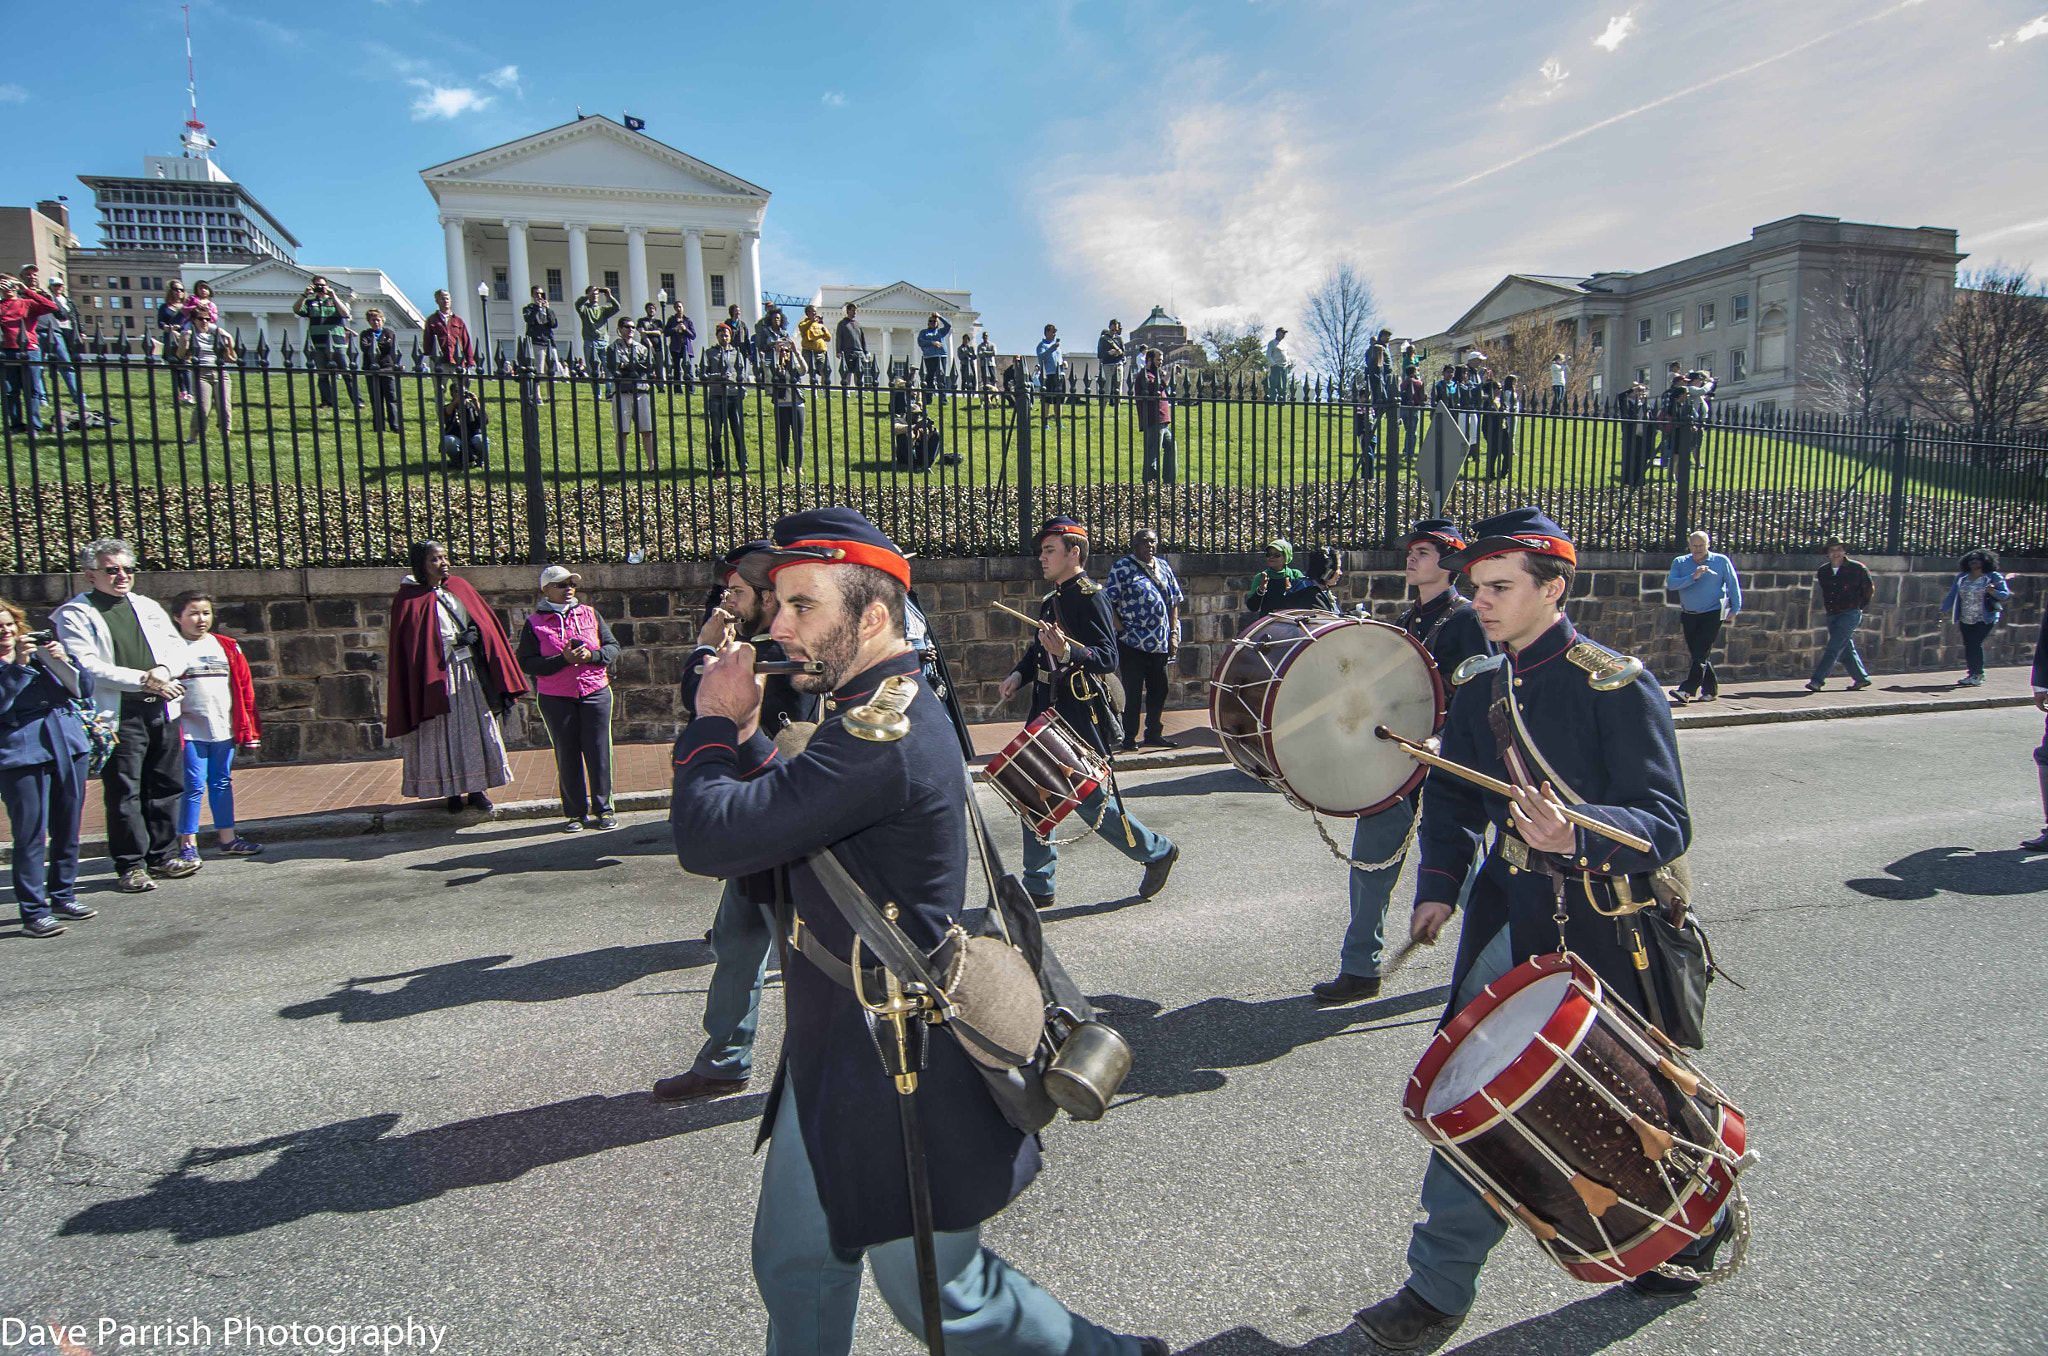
{"x":896,"y":812}
{"x":1081,"y":607}
{"x":1448,"y":627}
{"x":36,"y":725}
{"x":1617,"y":750}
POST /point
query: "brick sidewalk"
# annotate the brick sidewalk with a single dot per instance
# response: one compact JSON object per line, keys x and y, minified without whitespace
{"x":370,"y":788}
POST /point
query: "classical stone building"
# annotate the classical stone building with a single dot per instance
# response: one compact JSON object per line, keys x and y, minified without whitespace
{"x":257,"y":299}
{"x":1737,"y":312}
{"x":891,"y":316}
{"x":590,"y":202}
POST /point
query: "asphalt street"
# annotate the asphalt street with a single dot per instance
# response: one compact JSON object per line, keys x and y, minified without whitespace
{"x":362,"y":1080}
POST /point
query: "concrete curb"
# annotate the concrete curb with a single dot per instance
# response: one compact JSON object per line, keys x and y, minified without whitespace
{"x":426,"y":817}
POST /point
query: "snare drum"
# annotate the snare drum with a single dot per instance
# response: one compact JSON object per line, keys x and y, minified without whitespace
{"x":1296,"y":698}
{"x":1046,"y":772}
{"x":1578,"y":1121}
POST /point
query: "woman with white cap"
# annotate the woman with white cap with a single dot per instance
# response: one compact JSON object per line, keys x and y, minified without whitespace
{"x":569,"y":651}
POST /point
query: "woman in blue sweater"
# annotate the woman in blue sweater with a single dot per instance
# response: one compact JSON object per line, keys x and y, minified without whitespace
{"x":1708,"y":594}
{"x":1973,"y":604}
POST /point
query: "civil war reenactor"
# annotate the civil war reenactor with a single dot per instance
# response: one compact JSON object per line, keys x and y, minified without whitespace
{"x":1443,"y":620}
{"x":1591,"y":728}
{"x":875,"y":803}
{"x":1070,"y":666}
{"x":742,"y":607}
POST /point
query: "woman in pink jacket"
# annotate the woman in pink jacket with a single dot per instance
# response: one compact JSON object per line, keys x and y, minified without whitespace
{"x":569,"y":651}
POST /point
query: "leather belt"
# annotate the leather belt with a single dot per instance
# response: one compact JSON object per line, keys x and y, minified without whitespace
{"x":874,"y":979}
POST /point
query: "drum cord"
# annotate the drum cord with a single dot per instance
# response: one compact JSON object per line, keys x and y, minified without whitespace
{"x":1341,"y":855}
{"x":1738,"y":1247}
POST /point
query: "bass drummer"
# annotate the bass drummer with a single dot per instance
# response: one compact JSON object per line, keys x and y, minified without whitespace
{"x":1589,"y":725}
{"x":1068,"y":666}
{"x":1443,"y":620}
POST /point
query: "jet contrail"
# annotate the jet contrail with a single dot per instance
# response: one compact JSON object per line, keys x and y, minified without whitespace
{"x":1570,"y":137}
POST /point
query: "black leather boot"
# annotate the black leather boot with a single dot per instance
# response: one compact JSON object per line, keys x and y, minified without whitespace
{"x":1405,"y":1322}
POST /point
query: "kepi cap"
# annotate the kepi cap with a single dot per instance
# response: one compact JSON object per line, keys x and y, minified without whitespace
{"x":837,"y":536}
{"x":1523,"y":529}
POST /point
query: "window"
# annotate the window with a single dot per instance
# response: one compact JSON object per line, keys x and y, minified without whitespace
{"x":718,"y":290}
{"x":1738,"y":364}
{"x":611,"y":281}
{"x":1912,"y":298}
{"x":89,"y":281}
{"x":1642,"y":376}
{"x":501,"y":285}
{"x":1599,"y":340}
{"x":554,"y":284}
{"x":1706,"y":315}
{"x":1705,"y":363}
{"x":1643,"y":331}
{"x":1599,"y":386}
{"x":1674,"y":324}
{"x":1768,"y":409}
{"x":668,"y":283}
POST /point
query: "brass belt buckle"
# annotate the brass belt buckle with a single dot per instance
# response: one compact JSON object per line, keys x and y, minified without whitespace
{"x":1514,"y":851}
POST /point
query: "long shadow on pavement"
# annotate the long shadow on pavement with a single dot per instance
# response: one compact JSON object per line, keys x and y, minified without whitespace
{"x":1186,"y":1050}
{"x":1198,"y":784}
{"x":350,"y":1166}
{"x":432,"y":988}
{"x":1581,"y":1328}
{"x":554,"y":851}
{"x":1959,"y":870}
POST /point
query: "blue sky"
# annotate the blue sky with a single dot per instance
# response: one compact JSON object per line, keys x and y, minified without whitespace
{"x":1078,"y":159}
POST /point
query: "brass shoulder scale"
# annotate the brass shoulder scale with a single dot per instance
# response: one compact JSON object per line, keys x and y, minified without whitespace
{"x":882,"y":720}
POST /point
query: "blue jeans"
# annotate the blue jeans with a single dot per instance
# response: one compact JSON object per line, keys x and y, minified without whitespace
{"x":1276,"y":383}
{"x":1376,"y":838}
{"x":61,"y":353}
{"x":209,"y":772}
{"x":21,"y":378}
{"x":1842,"y":646}
{"x":44,"y":803}
{"x":812,"y":1293}
{"x":1973,"y":645}
{"x":1119,"y":828}
{"x":742,"y":935}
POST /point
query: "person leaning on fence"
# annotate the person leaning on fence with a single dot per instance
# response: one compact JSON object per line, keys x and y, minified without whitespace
{"x":1845,"y":590}
{"x":1709,"y":595}
{"x":786,"y":384}
{"x":326,"y":316}
{"x":1974,"y":603}
{"x":1153,"y":395}
{"x":723,"y":372}
{"x":452,"y":676}
{"x":207,"y":351}
{"x":218,"y":717}
{"x":377,"y":345}
{"x":134,"y":654}
{"x":568,"y":651}
{"x":852,"y":346}
{"x":633,"y":372}
{"x":43,"y":760}
{"x":22,"y":308}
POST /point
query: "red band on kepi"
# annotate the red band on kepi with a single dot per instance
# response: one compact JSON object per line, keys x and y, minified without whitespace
{"x":846,"y":553}
{"x":1500,"y":546}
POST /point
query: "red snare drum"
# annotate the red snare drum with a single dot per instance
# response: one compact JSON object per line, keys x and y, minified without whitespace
{"x":1046,"y":772}
{"x":1579,"y":1121}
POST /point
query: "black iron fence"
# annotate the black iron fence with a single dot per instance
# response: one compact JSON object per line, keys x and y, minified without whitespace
{"x":293,"y":458}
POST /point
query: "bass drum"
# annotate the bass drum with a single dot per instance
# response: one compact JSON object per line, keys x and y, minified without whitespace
{"x":1295,"y":701}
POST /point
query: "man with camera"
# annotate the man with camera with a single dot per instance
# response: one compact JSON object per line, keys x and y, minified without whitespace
{"x":132,"y":650}
{"x":327,"y":316}
{"x":593,"y":309}
{"x":539,"y":318}
{"x":633,"y":371}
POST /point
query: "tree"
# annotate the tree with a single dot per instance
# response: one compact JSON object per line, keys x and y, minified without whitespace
{"x":1237,"y":353}
{"x":1867,"y":325}
{"x":1528,"y":346}
{"x":1986,"y":363}
{"x":1340,"y":316}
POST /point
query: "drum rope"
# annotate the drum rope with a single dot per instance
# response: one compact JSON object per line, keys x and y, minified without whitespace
{"x":1738,"y":1247}
{"x":1341,"y":855}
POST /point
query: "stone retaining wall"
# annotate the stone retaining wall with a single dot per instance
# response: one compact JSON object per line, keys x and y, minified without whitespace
{"x":316,"y":639}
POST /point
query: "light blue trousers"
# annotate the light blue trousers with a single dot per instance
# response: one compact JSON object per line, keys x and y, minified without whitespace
{"x":1377,"y":838}
{"x":742,"y":936}
{"x":1841,"y":647}
{"x":1119,"y":828}
{"x":812,"y":1293}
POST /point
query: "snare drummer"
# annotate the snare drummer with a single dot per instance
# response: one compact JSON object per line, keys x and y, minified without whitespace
{"x":1617,"y":750}
{"x":1443,"y":620}
{"x":1066,"y":667}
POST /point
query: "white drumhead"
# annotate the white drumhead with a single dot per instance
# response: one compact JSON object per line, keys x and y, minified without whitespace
{"x":1500,"y":1037}
{"x":1337,"y":690}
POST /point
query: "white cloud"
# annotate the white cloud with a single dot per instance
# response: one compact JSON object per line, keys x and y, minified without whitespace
{"x":2027,"y":32}
{"x":1550,"y":77}
{"x":1617,"y":31}
{"x":443,"y":101}
{"x":832,"y":98}
{"x":13,"y":94}
{"x":505,"y":77}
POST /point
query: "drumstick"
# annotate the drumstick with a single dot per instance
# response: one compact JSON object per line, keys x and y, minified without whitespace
{"x":1423,"y":754}
{"x":1032,"y":622}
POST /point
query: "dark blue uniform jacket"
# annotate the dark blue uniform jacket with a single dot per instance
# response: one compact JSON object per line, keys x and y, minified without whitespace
{"x":897,"y":814}
{"x":1082,"y":610}
{"x":1617,"y":750}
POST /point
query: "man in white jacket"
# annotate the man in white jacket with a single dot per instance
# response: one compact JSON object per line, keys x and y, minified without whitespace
{"x":134,"y":654}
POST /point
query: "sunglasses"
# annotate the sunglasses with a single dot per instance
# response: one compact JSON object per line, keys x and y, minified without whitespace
{"x":126,"y":570}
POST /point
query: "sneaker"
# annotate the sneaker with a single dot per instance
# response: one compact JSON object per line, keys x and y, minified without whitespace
{"x":71,"y":908}
{"x":572,"y":826}
{"x":42,"y":925}
{"x":188,"y":853}
{"x":177,"y":868}
{"x":1859,"y":685}
{"x":605,"y":822}
{"x":1973,"y":680}
{"x":136,"y":882}
{"x":238,"y":847}
{"x":1815,"y":687}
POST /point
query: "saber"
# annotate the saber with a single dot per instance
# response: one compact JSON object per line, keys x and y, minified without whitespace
{"x":790,"y":666}
{"x":1422,"y":753}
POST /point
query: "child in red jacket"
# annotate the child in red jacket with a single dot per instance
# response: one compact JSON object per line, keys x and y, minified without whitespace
{"x":219,"y":716}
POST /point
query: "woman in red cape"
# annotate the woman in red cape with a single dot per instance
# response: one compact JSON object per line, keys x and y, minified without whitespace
{"x":452,"y":675}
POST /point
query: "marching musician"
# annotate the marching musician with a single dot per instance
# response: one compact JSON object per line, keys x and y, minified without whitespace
{"x":743,"y":930}
{"x":889,"y":806}
{"x":1067,"y":666}
{"x":1570,"y":712}
{"x":1443,"y":620}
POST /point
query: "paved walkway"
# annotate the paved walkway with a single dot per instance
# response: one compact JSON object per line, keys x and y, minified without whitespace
{"x":322,"y":799}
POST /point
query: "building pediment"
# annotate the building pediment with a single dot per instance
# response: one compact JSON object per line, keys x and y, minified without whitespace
{"x":1512,"y":296}
{"x":592,"y":153}
{"x":273,"y":275}
{"x":904,"y":296}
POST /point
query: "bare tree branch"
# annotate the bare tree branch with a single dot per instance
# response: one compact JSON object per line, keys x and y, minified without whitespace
{"x":1987,"y":360}
{"x":1867,"y":327}
{"x":1339,"y":315}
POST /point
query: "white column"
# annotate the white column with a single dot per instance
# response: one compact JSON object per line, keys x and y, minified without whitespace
{"x":458,"y":279}
{"x":519,"y":274}
{"x":694,"y":304}
{"x":579,"y":258}
{"x":883,"y":373}
{"x":636,"y":270}
{"x":750,"y":275}
{"x":262,"y":319}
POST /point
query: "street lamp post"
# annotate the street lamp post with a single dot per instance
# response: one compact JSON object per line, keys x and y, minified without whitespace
{"x":483,"y":325}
